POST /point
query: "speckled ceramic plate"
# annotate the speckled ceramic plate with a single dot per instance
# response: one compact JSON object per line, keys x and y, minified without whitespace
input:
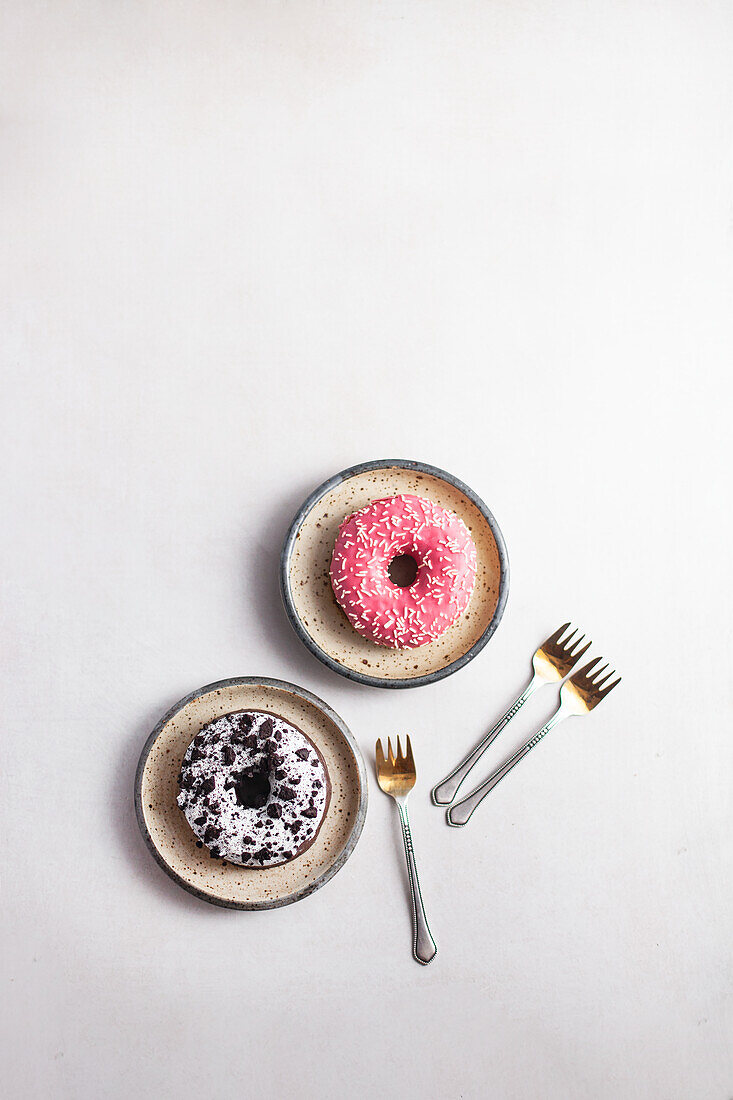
{"x":311,"y":605}
{"x":173,"y":844}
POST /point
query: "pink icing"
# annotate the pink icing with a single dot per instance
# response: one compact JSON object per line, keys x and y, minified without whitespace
{"x":443,"y":549}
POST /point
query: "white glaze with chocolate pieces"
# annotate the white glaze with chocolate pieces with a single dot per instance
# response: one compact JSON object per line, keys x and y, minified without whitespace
{"x":254,"y":789}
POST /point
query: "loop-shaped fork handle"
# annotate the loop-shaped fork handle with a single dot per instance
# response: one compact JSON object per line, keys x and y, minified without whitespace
{"x":460,"y":813}
{"x":444,"y":793}
{"x":423,"y":944}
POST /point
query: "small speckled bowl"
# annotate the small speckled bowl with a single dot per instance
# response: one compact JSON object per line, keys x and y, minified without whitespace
{"x":173,"y":844}
{"x":311,"y":605}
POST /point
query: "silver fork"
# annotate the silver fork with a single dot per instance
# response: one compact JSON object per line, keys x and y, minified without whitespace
{"x":397,"y":776}
{"x":578,"y":695}
{"x":551,"y":663}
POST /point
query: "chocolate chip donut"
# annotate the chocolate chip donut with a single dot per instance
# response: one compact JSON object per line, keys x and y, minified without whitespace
{"x":254,"y":789}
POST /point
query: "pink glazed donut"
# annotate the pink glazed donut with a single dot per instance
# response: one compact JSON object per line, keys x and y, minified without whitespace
{"x":443,"y":551}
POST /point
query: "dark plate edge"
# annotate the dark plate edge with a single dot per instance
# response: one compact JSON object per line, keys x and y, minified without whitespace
{"x":287,"y":597}
{"x":303,"y":693}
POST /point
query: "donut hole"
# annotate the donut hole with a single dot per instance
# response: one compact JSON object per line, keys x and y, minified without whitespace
{"x":402,"y":570}
{"x":253,"y":790}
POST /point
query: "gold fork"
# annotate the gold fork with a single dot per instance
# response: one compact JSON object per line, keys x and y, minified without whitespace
{"x":578,"y":696}
{"x":397,"y":776}
{"x":551,"y":663}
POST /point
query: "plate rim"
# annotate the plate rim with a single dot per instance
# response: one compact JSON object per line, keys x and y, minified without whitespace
{"x":359,"y":819}
{"x":289,"y":602}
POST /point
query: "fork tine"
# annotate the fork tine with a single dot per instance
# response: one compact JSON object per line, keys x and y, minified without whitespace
{"x":557,"y":635}
{"x":599,"y":683}
{"x":599,"y":672}
{"x":576,"y":653}
{"x":391,"y":754}
{"x":379,"y":752}
{"x":565,"y":643}
{"x":610,"y":687}
{"x":410,"y":758}
{"x":399,"y":759}
{"x":583,"y":672}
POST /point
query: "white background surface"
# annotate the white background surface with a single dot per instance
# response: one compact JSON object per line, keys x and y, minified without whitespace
{"x":245,"y":246}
